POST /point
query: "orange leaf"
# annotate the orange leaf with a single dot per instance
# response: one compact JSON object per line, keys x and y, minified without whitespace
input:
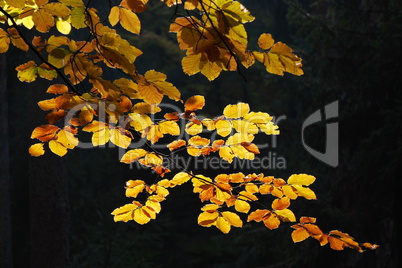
{"x":194,"y":103}
{"x":281,"y":203}
{"x":57,"y":89}
{"x":176,"y":144}
{"x":299,"y":235}
{"x":44,"y":133}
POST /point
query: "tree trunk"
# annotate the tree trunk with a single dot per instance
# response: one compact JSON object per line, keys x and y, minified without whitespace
{"x":49,"y":203}
{"x":5,"y":217}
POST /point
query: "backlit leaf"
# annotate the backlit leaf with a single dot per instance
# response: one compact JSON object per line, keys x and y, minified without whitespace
{"x":36,"y":149}
{"x":194,"y":103}
{"x":133,"y":155}
{"x":57,"y":148}
{"x":301,"y":179}
{"x":236,"y":110}
{"x":176,"y":144}
{"x":129,"y":20}
{"x":299,"y":235}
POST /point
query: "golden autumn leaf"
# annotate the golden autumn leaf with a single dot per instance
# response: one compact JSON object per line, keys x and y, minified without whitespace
{"x":57,"y":89}
{"x":176,"y":144}
{"x":236,"y":110}
{"x":36,"y":149}
{"x":133,"y":155}
{"x":180,"y":178}
{"x":169,"y":127}
{"x":300,"y":234}
{"x":286,"y":215}
{"x":57,"y":148}
{"x":134,"y":187}
{"x":120,"y":137}
{"x":45,"y":132}
{"x":194,"y":103}
{"x":129,"y":20}
{"x":281,"y":203}
{"x":193,"y":128}
{"x":301,"y":179}
{"x":223,"y":127}
{"x":265,"y":41}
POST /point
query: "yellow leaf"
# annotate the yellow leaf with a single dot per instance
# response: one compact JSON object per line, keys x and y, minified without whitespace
{"x":158,"y":80}
{"x":140,"y":121}
{"x":119,"y":138}
{"x":223,"y":127}
{"x":192,"y":64}
{"x":169,"y":127}
{"x":180,"y":178}
{"x":63,"y":26}
{"x":286,"y":215}
{"x":305,"y":192}
{"x":242,"y":206}
{"x":269,"y":128}
{"x":198,"y":141}
{"x":134,"y":188}
{"x":124,"y":213}
{"x":114,"y":15}
{"x":193,"y":128}
{"x":57,"y":148}
{"x":299,"y":235}
{"x":149,"y":93}
{"x":101,"y":137}
{"x":301,"y":179}
{"x":176,"y":144}
{"x":207,"y":218}
{"x":226,"y":154}
{"x":236,"y":110}
{"x":243,"y":126}
{"x":209,"y":124}
{"x":133,"y":155}
{"x":141,"y":216}
{"x":152,"y":159}
{"x":27,"y":72}
{"x":194,"y":151}
{"x":129,"y":20}
{"x":36,"y":149}
{"x":232,"y":218}
{"x":289,"y":192}
{"x":209,"y":207}
{"x":154,"y":134}
{"x":145,"y":108}
{"x":67,"y":139}
{"x":223,"y":225}
{"x":258,"y":117}
{"x":47,"y":105}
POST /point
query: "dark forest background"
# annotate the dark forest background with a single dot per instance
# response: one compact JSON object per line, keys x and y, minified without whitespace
{"x":55,"y":212}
